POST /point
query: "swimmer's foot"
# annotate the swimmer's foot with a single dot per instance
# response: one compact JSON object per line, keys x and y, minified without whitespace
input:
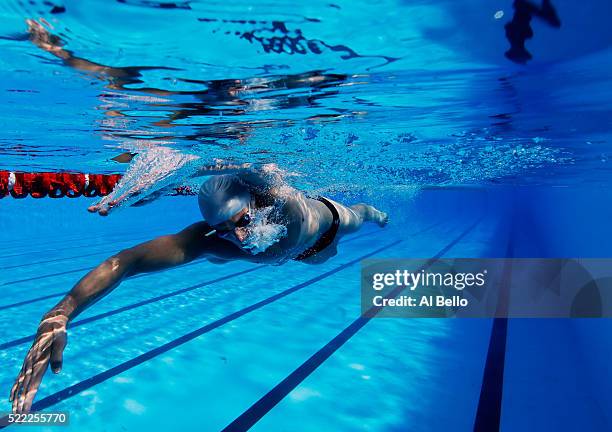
{"x":381,"y":218}
{"x":371,"y":214}
{"x":549,"y":14}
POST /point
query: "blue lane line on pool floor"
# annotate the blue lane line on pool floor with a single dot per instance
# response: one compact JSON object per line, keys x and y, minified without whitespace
{"x":80,"y":246}
{"x":252,"y":415}
{"x":14,"y":266}
{"x":77,"y":388}
{"x":101,"y":249}
{"x":59,"y":294}
{"x":24,"y":250}
{"x":45,"y":276}
{"x":88,"y":320}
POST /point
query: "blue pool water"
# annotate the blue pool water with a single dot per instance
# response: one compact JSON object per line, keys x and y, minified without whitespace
{"x":409,"y":106}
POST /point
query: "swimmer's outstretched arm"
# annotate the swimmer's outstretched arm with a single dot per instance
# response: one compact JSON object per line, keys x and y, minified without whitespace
{"x":166,"y":164}
{"x":160,"y":253}
{"x":118,"y":77}
{"x":41,"y":37}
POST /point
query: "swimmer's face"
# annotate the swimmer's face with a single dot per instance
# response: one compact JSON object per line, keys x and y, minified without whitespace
{"x":251,"y":230}
{"x":234,"y":229}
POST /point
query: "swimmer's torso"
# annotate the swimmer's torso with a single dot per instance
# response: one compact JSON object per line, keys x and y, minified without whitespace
{"x":305,"y":219}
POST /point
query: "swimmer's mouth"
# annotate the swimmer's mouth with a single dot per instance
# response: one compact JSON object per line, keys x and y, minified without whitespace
{"x":244,"y":221}
{"x":244,"y":244}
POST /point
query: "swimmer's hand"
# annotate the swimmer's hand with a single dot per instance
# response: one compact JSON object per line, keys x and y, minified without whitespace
{"x":48,"y":347}
{"x":149,"y":172}
{"x":41,"y":37}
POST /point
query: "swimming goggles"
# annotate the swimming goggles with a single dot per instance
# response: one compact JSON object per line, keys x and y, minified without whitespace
{"x":244,"y":221}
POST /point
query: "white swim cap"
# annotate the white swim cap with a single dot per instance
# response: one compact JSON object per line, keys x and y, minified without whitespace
{"x":221,"y":197}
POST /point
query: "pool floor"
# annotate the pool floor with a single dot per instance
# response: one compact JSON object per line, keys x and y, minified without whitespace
{"x":208,"y":347}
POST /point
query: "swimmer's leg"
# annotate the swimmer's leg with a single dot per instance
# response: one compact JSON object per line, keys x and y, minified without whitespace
{"x":353,"y":217}
{"x":367,"y":213}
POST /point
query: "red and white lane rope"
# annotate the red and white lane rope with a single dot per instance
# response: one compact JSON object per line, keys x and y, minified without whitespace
{"x":63,"y":184}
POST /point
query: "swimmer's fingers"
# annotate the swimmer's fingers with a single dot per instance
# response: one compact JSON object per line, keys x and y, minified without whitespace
{"x":34,"y":26}
{"x":101,"y":208}
{"x":51,"y":332}
{"x":40,"y":36}
{"x":104,"y":207}
{"x":21,"y":377}
{"x":270,"y":167}
{"x":131,"y":194}
{"x":15,"y":389}
{"x":28,"y":381}
{"x":30,"y":387}
{"x":25,"y":386}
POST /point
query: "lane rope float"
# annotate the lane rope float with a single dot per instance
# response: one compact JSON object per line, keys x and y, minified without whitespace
{"x":18,"y":184}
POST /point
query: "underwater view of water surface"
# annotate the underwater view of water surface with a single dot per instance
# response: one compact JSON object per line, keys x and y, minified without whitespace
{"x":469,"y":129}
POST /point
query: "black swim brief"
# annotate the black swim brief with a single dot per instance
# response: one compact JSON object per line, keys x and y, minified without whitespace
{"x":327,"y":237}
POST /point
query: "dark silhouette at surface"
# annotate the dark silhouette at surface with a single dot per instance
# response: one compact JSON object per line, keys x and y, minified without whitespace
{"x":58,"y":9}
{"x":518,"y":30}
{"x":227,"y":97}
{"x":275,"y":37}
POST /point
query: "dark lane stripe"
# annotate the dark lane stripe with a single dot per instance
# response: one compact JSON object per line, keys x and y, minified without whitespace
{"x":78,"y":246}
{"x":23,"y":248}
{"x":80,"y":270}
{"x":25,"y":302}
{"x":77,"y":388}
{"x":62,"y":293}
{"x":247,"y":419}
{"x":488,"y":414}
{"x":100,"y":250}
{"x":53,"y":260}
{"x":29,"y":338}
{"x":46,"y":276}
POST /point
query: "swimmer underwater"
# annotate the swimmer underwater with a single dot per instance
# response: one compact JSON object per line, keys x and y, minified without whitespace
{"x":249,"y":213}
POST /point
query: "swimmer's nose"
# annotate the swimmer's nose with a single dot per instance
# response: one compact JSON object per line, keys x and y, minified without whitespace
{"x":241,"y":234}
